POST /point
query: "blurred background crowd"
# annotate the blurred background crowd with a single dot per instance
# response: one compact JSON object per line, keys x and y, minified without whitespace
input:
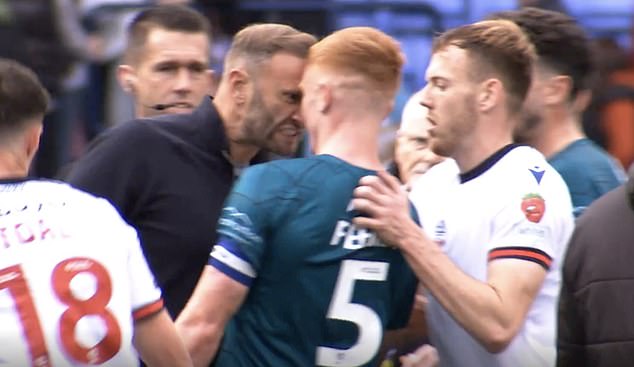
{"x":75,"y":46}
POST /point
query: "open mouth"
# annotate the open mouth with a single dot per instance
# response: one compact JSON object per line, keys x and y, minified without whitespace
{"x":181,"y":105}
{"x":290,"y":130}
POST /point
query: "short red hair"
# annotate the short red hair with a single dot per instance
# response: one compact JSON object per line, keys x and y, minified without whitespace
{"x":362,"y":51}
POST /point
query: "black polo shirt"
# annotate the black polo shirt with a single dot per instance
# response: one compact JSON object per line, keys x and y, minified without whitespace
{"x":168,"y":177}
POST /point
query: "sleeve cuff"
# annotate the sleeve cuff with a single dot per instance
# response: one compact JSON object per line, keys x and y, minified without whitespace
{"x":227,"y":259}
{"x":523,"y":253}
{"x":147,"y":310}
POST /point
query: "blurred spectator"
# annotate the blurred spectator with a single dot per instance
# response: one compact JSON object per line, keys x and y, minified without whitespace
{"x":412,"y":152}
{"x":609,"y":56}
{"x":616,"y":110}
{"x":106,"y":22}
{"x":46,"y":36}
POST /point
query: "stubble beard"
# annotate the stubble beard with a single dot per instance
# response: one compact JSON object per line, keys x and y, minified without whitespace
{"x":258,"y":124}
{"x":462,"y":126}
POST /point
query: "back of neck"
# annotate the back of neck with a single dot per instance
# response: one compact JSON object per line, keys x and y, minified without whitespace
{"x":556,"y":135}
{"x":11,"y":166}
{"x":354,"y":142}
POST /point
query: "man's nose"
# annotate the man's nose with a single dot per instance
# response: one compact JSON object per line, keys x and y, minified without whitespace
{"x":424,"y":97}
{"x":183,"y":81}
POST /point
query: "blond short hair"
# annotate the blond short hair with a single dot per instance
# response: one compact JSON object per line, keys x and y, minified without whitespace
{"x":362,"y":51}
{"x":498,"y":48}
{"x":258,"y":43}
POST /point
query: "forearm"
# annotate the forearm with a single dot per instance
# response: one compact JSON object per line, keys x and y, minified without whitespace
{"x":201,"y":339}
{"x":475,"y":305}
{"x":157,"y":342}
{"x":202,"y":323}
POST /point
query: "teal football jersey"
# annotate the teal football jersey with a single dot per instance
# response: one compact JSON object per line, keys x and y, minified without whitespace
{"x":322,"y":291}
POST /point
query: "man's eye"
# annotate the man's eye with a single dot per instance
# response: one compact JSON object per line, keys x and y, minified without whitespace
{"x":165,"y":68}
{"x":420,"y":142}
{"x":197,"y":68}
{"x":294,"y":98}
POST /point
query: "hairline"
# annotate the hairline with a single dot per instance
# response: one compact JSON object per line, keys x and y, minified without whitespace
{"x":132,"y":54}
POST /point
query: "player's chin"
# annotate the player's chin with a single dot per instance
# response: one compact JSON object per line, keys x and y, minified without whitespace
{"x":286,"y":147}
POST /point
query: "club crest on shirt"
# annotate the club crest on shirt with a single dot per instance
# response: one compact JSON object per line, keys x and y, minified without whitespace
{"x":533,"y":206}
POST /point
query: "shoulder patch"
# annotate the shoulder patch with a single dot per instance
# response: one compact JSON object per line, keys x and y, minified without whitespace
{"x":533,"y":206}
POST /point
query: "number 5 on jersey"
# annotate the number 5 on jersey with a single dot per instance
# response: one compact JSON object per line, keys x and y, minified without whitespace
{"x":366,"y":319}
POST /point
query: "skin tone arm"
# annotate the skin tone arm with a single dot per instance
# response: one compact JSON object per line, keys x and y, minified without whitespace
{"x":492,"y":311}
{"x":158,"y":343}
{"x":202,"y":323}
{"x":425,"y":356}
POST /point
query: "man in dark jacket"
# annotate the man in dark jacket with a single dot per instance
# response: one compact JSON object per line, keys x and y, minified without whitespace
{"x":596,"y":327}
{"x":169,"y":175}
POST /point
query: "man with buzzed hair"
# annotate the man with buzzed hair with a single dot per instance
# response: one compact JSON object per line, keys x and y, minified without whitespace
{"x":293,"y":281}
{"x":169,"y":175}
{"x":496,"y":217}
{"x":166,"y":61}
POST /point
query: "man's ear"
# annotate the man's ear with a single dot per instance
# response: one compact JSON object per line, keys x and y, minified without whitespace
{"x":557,"y":90}
{"x":239,"y":81}
{"x":324,"y":97}
{"x":489,"y":94}
{"x":212,"y":83}
{"x":32,"y":138}
{"x":126,"y":75}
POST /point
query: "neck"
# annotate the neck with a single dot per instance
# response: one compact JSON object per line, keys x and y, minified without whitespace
{"x":352,"y":140}
{"x":487,"y":139}
{"x":232,"y":121}
{"x":241,"y":154}
{"x":558,"y":130}
{"x":11,"y":166}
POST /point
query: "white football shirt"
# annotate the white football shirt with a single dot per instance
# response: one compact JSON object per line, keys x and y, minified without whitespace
{"x":72,"y":278}
{"x":513,"y":205}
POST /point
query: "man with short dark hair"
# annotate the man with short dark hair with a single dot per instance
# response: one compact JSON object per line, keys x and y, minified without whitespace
{"x":74,"y":285}
{"x":561,"y":89}
{"x":169,"y":175}
{"x":166,"y":62}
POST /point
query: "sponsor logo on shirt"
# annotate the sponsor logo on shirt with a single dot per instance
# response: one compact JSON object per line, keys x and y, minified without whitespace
{"x":538,"y":173}
{"x":440,"y":233}
{"x":237,"y":224}
{"x":533,"y":206}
